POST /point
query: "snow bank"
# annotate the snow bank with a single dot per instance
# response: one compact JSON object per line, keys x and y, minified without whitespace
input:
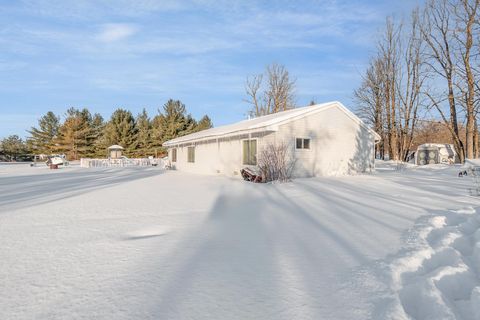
{"x":472,"y":162}
{"x":438,"y":276}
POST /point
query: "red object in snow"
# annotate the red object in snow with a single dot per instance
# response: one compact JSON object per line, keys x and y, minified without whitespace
{"x":249,"y":175}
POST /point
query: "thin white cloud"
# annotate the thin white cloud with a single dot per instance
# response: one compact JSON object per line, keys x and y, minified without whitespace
{"x":200,"y":50}
{"x":112,"y":32}
{"x":83,"y":10}
{"x":251,"y":29}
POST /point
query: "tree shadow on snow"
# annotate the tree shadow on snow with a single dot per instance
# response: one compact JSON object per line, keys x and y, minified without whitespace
{"x":226,"y":267}
{"x":259,"y":254}
{"x":30,"y":190}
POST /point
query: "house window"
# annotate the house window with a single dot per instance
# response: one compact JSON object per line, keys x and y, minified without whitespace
{"x":302,"y":143}
{"x":250,"y":152}
{"x":174,"y":155}
{"x":191,"y":154}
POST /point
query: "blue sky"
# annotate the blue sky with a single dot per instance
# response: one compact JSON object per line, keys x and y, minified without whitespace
{"x":56,"y":54}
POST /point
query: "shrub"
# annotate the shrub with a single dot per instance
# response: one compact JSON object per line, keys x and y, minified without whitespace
{"x":276,"y":162}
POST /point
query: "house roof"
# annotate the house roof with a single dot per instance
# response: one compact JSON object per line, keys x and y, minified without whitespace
{"x":269,"y":122}
{"x":115,"y":146}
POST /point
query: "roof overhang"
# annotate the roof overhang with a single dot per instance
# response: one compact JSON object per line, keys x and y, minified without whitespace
{"x":172,"y":143}
{"x":273,"y":125}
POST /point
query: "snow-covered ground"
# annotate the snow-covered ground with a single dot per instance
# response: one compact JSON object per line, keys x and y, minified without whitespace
{"x":140,"y":243}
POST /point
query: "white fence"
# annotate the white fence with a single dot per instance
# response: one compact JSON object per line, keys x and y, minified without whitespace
{"x":102,"y":163}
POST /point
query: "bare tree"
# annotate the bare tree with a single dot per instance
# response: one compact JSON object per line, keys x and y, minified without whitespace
{"x":275,"y":95}
{"x":436,"y":30}
{"x":390,"y":96}
{"x":389,"y":48}
{"x":410,"y":85}
{"x":433,"y":131}
{"x":476,"y":69}
{"x":434,"y":66}
{"x":466,"y":13}
{"x":476,"y":134}
{"x":369,"y":98}
{"x":255,"y":95}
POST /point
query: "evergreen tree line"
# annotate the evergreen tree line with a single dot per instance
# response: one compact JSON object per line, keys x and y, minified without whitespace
{"x":83,"y":134}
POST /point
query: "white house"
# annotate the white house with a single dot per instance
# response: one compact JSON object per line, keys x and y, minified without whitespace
{"x":325,"y":139}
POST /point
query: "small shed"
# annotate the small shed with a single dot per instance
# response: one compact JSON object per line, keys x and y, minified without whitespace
{"x":432,"y":153}
{"x":115,"y":151}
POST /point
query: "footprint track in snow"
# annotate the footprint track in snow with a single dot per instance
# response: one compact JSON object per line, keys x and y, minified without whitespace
{"x":439,"y":277}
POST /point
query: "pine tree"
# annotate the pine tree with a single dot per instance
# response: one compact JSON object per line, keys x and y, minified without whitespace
{"x":13,"y":146}
{"x":121,"y":130}
{"x":190,"y":126}
{"x":74,"y":134}
{"x":96,"y":142}
{"x":204,"y":123}
{"x":156,"y":134}
{"x":173,"y":121}
{"x":143,"y":139}
{"x":42,"y":140}
{"x":170,"y":123}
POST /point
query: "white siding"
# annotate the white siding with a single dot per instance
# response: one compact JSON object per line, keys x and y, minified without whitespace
{"x":338,"y":145}
{"x":222,"y":157}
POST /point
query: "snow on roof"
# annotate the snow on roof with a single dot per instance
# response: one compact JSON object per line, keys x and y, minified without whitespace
{"x":443,"y":148}
{"x":115,"y":146}
{"x":435,"y":145}
{"x":267,"y":122}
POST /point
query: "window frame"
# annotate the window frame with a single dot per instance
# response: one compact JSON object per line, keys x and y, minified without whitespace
{"x":255,"y":156}
{"x":309,"y":140}
{"x":191,"y":154}
{"x":174,"y":154}
{"x":303,"y":139}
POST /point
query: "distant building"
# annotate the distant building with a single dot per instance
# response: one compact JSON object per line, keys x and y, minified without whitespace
{"x":325,"y":139}
{"x":432,"y":153}
{"x":115,"y":151}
